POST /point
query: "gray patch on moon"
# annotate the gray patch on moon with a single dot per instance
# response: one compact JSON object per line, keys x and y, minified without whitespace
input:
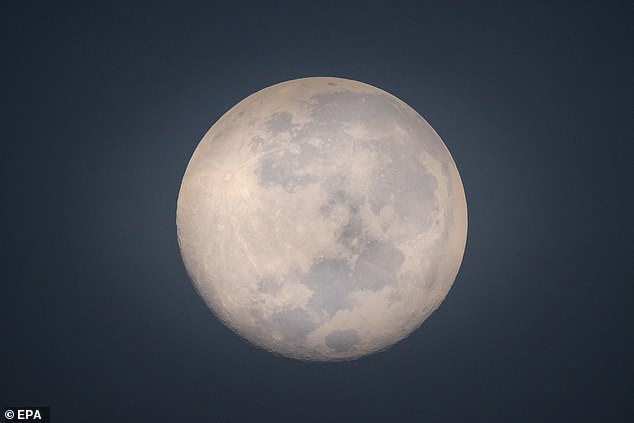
{"x":343,"y":107}
{"x":446,"y":173}
{"x":292,"y":324}
{"x":331,"y":283}
{"x":281,"y":164}
{"x":407,"y":185}
{"x":353,"y":235}
{"x":268,"y":285}
{"x":279,"y":122}
{"x":284,"y":170}
{"x":342,"y":341}
{"x":377,"y":265}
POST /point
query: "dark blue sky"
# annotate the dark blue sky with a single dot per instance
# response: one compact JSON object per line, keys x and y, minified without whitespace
{"x":102,"y":107}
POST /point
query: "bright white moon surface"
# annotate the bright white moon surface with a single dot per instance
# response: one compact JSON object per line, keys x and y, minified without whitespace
{"x":322,"y":219}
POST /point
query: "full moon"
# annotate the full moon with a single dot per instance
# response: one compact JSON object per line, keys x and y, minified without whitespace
{"x":322,"y":219}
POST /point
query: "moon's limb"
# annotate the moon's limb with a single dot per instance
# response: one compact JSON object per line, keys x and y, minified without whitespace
{"x":322,"y":219}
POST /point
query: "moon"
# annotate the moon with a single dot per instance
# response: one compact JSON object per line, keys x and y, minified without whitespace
{"x":322,"y":219}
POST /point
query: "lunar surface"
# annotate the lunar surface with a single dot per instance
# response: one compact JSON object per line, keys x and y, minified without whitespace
{"x":322,"y":219}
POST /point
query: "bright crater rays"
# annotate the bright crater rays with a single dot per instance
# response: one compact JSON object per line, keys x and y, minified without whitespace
{"x":322,"y":219}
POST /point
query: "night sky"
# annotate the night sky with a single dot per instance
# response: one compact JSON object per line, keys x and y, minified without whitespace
{"x":102,"y":107}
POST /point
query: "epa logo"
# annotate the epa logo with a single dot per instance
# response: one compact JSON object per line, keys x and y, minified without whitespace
{"x":24,"y":414}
